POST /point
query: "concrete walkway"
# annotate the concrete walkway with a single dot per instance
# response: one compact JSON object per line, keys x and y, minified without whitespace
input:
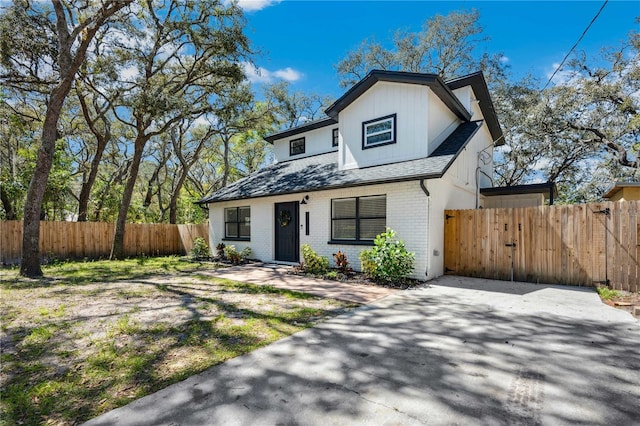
{"x":461,"y":351}
{"x":279,"y":276}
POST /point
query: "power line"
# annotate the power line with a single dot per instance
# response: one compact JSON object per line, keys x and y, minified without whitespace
{"x":576,"y":44}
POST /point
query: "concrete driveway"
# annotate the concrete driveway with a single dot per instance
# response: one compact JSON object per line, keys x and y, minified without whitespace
{"x":463,"y":351}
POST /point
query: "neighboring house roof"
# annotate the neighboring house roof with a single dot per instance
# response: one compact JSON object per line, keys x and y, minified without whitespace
{"x":548,"y":189}
{"x":320,"y":172}
{"x":618,"y":186}
{"x":433,"y":81}
{"x":311,"y":125}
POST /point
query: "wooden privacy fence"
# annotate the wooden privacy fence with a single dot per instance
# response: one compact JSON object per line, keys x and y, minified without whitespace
{"x":69,"y":240}
{"x":584,"y":244}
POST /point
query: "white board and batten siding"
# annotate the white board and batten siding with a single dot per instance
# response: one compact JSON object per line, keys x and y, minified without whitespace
{"x":413,"y":106}
{"x":317,"y":141}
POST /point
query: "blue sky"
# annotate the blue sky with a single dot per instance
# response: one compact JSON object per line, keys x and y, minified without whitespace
{"x":302,"y":40}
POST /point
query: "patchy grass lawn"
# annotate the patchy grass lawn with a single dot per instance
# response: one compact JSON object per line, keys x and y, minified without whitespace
{"x":94,"y":336}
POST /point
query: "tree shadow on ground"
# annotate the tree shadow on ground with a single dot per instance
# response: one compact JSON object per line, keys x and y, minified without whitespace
{"x":418,"y":357}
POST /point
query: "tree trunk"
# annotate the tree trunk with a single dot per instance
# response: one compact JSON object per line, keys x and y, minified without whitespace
{"x":154,"y":178}
{"x":30,"y":263}
{"x":173,"y":204}
{"x":85,"y":192}
{"x":69,"y":65}
{"x":9,"y":211}
{"x":226,"y":171}
{"x":101,"y":144}
{"x":117,"y":249}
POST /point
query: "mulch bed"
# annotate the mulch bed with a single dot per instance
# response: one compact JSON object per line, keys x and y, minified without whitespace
{"x":358,"y":278}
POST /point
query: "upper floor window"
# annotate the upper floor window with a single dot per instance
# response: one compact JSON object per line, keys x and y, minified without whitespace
{"x":296,"y":146}
{"x":381,"y":131}
{"x":334,"y":134}
{"x":359,"y":218}
{"x":237,"y":223}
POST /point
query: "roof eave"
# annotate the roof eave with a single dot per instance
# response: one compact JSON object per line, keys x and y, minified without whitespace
{"x":534,"y":188}
{"x":316,"y":124}
{"x":329,"y":188}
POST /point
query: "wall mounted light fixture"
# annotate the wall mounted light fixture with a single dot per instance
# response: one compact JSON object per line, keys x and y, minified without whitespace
{"x":304,"y":199}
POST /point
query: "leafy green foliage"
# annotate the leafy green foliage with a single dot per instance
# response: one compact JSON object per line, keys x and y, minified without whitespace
{"x":313,"y":262}
{"x":582,"y":131}
{"x":200,"y":249}
{"x":331,"y":275}
{"x":236,"y":257}
{"x":446,"y":45}
{"x":607,"y":294}
{"x":388,"y":261}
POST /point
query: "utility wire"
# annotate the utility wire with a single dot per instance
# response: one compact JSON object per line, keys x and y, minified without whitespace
{"x":576,"y":45}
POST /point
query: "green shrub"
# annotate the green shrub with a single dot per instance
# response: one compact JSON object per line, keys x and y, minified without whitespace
{"x":313,"y":262}
{"x":331,"y":275}
{"x":388,"y":260}
{"x":236,"y":257}
{"x":200,"y":249}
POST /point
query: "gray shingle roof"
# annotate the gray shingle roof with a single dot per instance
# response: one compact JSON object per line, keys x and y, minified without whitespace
{"x":321,"y":172}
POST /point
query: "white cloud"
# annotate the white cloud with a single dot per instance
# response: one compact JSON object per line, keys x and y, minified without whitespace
{"x":288,"y":74}
{"x":263,"y":75}
{"x":504,"y":59}
{"x":253,"y":5}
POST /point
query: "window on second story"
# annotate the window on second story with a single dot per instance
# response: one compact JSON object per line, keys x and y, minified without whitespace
{"x":296,"y":146}
{"x":334,"y":134}
{"x":381,"y":131}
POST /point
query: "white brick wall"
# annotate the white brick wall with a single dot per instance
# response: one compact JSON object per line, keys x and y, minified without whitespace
{"x":406,"y":214}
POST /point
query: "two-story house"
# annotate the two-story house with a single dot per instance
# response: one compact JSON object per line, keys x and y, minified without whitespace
{"x":394,"y":151}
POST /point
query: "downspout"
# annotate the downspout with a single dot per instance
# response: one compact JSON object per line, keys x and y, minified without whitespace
{"x":426,"y":192}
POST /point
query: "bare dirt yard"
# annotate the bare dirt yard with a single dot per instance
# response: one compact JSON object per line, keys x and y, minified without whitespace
{"x":624,"y":300}
{"x":94,"y":336}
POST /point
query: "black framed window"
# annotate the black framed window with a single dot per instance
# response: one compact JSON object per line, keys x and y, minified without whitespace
{"x":334,"y":135}
{"x":296,"y":146}
{"x":237,"y":223}
{"x":358,"y":218}
{"x":380,"y":131}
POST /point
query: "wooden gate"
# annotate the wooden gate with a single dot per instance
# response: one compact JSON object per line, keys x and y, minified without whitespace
{"x":584,"y":244}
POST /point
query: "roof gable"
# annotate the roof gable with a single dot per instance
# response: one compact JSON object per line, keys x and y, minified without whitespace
{"x":444,"y":91}
{"x":480,"y":89}
{"x":433,"y":81}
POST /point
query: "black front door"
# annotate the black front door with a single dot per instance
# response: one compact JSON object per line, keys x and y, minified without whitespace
{"x":286,"y":235}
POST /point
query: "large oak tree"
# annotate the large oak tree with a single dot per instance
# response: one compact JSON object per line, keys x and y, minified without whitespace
{"x":42,"y":49}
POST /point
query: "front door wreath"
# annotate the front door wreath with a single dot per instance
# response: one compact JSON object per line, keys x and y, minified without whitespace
{"x":284,"y":218}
